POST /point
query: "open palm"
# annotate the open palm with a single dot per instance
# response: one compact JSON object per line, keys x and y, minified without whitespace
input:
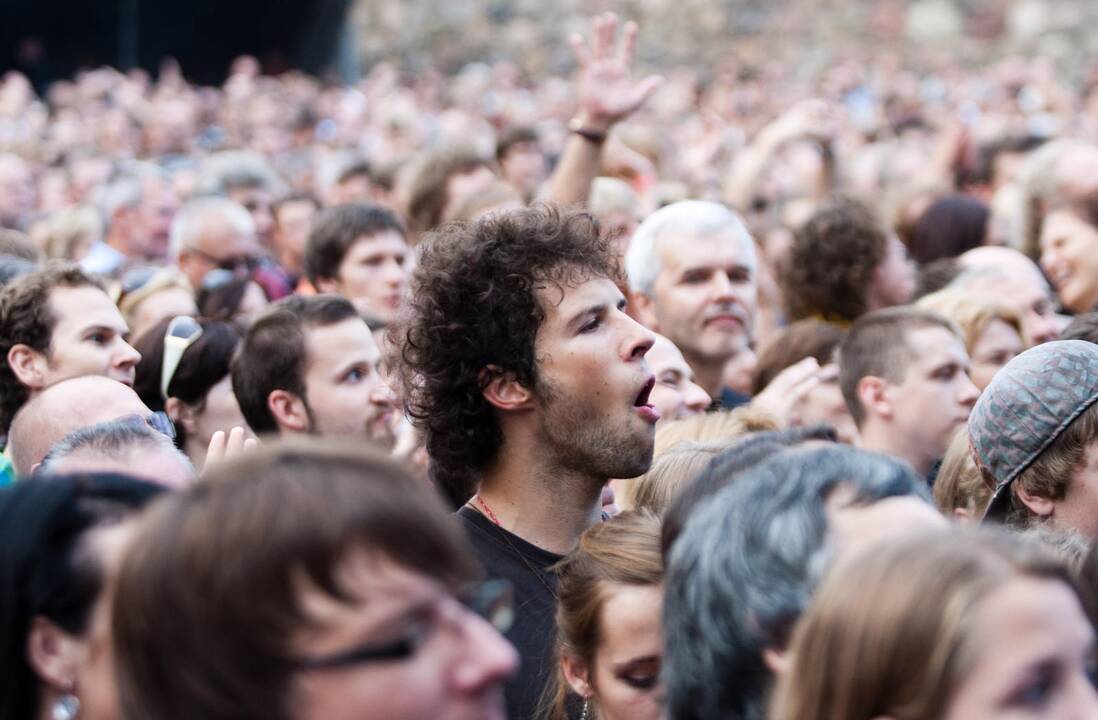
{"x":607,"y":90}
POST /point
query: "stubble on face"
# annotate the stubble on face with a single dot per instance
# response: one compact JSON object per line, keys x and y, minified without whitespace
{"x":582,"y":441}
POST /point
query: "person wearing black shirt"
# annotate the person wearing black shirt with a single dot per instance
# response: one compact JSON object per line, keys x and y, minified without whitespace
{"x":528,"y":379}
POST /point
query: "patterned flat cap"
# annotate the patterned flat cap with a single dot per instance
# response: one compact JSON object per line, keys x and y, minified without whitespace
{"x":1028,"y":404}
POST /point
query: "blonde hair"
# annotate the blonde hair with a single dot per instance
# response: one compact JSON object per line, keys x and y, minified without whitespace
{"x":890,"y":631}
{"x":66,"y":228}
{"x":970,"y":312}
{"x":165,"y":279}
{"x":720,"y":426}
{"x":960,"y":485}
{"x":624,"y":550}
{"x":654,"y":490}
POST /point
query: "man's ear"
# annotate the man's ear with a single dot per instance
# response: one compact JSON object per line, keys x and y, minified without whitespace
{"x":54,"y":654}
{"x":644,"y":310}
{"x":29,"y":366}
{"x":327,"y":285}
{"x":1040,"y":506}
{"x":289,"y":410}
{"x":575,"y":673}
{"x":873,"y":396}
{"x":180,"y":413}
{"x":503,"y":391}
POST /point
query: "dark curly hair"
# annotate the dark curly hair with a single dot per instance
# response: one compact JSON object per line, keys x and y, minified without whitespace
{"x":474,"y":305}
{"x":831,"y":264}
{"x":26,"y":319}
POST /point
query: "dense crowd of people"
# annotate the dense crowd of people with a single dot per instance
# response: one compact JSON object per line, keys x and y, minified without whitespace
{"x":558,"y":399}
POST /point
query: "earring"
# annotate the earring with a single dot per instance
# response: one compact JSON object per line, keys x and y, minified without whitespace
{"x":66,"y":708}
{"x":586,"y":708}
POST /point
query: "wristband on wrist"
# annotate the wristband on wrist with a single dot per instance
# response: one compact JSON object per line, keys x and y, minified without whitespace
{"x":587,"y":133}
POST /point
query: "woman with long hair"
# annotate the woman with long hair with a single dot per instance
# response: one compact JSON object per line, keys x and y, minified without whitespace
{"x":608,"y":623}
{"x":962,"y":625}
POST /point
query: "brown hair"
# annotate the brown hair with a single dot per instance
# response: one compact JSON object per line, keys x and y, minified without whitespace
{"x":877,"y":346}
{"x":472,"y":305}
{"x":335,"y":231}
{"x":802,"y":339}
{"x":1050,"y":473}
{"x":960,"y":485}
{"x":832,"y":261}
{"x":207,"y":599}
{"x":890,"y":632}
{"x":425,"y":192}
{"x":624,"y":550}
{"x":26,"y":318}
{"x":654,"y":490}
{"x":272,"y":354}
{"x":720,"y":426}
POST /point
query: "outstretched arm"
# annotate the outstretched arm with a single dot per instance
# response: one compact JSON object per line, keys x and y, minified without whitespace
{"x":607,"y":94}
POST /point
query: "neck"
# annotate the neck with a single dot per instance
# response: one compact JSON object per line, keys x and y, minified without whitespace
{"x":878,"y":437}
{"x":707,"y":373}
{"x":547,"y":506}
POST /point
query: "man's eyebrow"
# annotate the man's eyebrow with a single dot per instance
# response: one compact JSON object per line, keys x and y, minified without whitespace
{"x":596,"y":308}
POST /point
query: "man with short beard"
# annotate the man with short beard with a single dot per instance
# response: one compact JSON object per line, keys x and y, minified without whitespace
{"x":528,"y":380}
{"x":309,"y":366}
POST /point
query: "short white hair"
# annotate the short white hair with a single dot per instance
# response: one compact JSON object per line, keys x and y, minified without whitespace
{"x":693,"y":218}
{"x":196,"y":214}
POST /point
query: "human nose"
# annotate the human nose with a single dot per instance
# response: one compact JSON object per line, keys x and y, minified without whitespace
{"x":696,"y":398}
{"x":1042,"y":328}
{"x":381,"y":393}
{"x":639,"y":340}
{"x":968,"y":392}
{"x":127,"y":355}
{"x":487,"y":660}
{"x":394,"y":273}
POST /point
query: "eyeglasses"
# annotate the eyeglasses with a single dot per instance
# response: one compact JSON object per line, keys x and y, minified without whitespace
{"x":158,"y":421}
{"x":182,"y":332}
{"x":492,"y":600}
{"x":235,"y":263}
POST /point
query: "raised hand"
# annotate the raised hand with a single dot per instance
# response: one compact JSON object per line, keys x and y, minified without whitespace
{"x":607,"y":90}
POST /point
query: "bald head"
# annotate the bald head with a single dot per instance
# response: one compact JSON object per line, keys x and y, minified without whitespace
{"x":1004,"y":273}
{"x":64,"y":407}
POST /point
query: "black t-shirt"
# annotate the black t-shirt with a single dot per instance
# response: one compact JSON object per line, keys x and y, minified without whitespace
{"x":534,"y":628}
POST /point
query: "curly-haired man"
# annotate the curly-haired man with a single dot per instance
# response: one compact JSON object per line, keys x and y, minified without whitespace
{"x":843,"y":264}
{"x":529,"y":382}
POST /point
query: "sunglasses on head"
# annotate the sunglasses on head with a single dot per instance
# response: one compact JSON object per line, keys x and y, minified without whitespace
{"x":183,"y":331}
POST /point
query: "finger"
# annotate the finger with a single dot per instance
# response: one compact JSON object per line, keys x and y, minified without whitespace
{"x":796,"y":374}
{"x":605,"y":27}
{"x":235,"y":443}
{"x":645,"y":89}
{"x":216,"y":450}
{"x":250,"y":444}
{"x":628,"y":44}
{"x":579,"y":49}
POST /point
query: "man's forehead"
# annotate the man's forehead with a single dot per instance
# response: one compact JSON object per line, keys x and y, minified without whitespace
{"x":569,"y":296}
{"x":718,"y":246}
{"x":345,"y":342}
{"x":932,"y":344}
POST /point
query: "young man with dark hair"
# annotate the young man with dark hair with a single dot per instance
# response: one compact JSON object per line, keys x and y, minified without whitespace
{"x":309,"y":365}
{"x":1034,"y":436}
{"x":360,"y":252}
{"x":904,"y":374}
{"x":528,"y":379}
{"x":58,"y":323}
